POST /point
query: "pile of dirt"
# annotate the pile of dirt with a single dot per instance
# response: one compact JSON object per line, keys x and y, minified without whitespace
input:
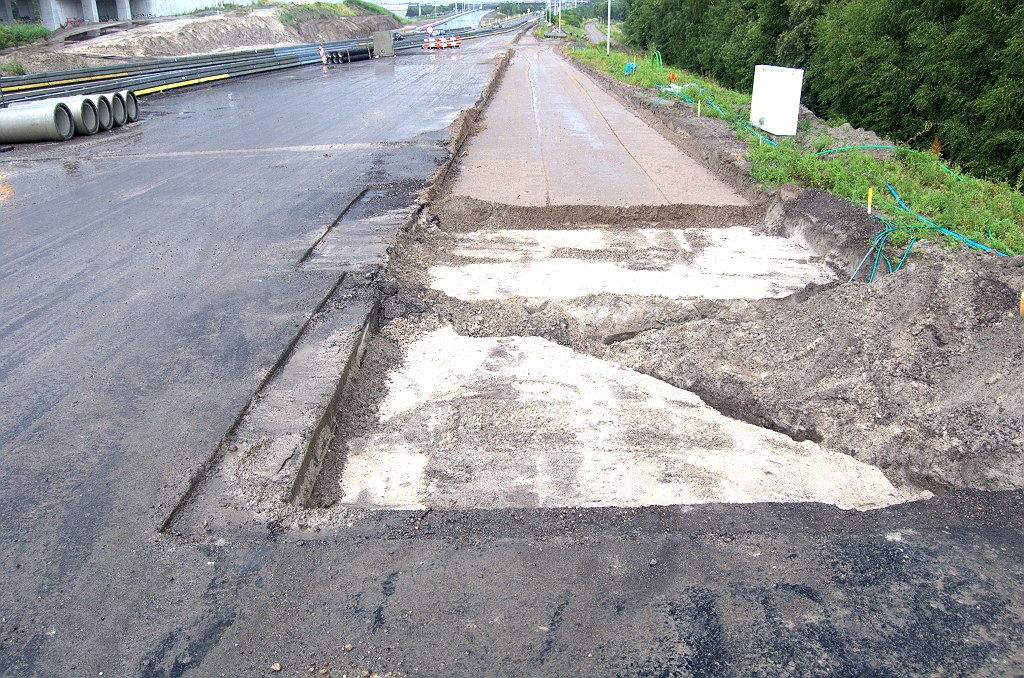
{"x":238,"y":29}
{"x":198,"y":35}
{"x":191,"y":35}
{"x":814,"y":134}
{"x":920,"y":373}
{"x":43,"y":59}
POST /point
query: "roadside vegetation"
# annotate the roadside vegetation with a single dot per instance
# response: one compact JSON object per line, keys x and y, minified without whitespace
{"x":223,"y":7}
{"x":594,"y":10}
{"x":915,"y":71}
{"x":12,"y":35}
{"x":13,"y":67}
{"x":988,"y":212}
{"x":293,"y":15}
{"x":374,"y":8}
{"x":515,"y":8}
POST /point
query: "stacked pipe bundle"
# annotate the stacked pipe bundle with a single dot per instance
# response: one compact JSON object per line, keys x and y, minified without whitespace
{"x":344,"y":56}
{"x":60,"y":119}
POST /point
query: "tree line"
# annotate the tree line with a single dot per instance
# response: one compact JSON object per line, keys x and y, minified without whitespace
{"x":915,"y":71}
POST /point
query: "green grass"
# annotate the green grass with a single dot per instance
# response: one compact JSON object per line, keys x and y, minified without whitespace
{"x":987,"y":212}
{"x":227,"y":6}
{"x":13,"y":67}
{"x":732,"y":102}
{"x":12,"y":35}
{"x":376,"y":9}
{"x":617,"y":32}
{"x":293,"y":15}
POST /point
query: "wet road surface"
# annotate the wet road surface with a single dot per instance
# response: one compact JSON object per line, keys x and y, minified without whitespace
{"x":596,"y":33}
{"x":554,"y":137}
{"x":149,"y":281}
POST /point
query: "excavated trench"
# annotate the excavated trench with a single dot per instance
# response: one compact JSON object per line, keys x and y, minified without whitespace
{"x":518,"y":364}
{"x":577,"y":355}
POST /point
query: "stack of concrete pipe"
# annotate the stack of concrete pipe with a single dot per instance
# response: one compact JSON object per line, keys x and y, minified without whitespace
{"x":60,"y":119}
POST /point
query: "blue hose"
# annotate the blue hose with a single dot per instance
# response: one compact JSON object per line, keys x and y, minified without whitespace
{"x":878,"y":243}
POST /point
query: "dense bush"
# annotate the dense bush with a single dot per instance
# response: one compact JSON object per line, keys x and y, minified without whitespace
{"x":20,"y":34}
{"x":914,"y":70}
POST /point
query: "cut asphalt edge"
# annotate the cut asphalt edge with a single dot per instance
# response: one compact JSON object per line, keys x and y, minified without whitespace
{"x":319,"y":439}
{"x":775,"y":211}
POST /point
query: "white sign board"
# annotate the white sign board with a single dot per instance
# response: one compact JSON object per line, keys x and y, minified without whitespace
{"x":430,"y":30}
{"x":775,"y":104}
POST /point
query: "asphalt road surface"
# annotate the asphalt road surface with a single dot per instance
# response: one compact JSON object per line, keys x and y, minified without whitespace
{"x":596,"y":34}
{"x":149,"y":281}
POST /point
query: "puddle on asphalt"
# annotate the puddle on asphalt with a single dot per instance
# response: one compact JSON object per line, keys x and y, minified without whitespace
{"x":726,"y":263}
{"x":523,"y":422}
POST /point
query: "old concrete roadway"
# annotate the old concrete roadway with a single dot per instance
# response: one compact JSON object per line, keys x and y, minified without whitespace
{"x":597,"y":33}
{"x":149,"y":279}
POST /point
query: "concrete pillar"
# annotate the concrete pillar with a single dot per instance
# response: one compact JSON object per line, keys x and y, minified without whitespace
{"x":8,"y":12}
{"x":48,"y":14}
{"x":124,"y":10}
{"x":90,"y":12}
{"x":26,"y":8}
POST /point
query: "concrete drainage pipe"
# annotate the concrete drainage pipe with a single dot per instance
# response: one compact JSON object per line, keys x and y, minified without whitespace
{"x":117,"y":109}
{"x":42,"y":121}
{"x":103,"y":111}
{"x":131,"y":105}
{"x":83,"y":113}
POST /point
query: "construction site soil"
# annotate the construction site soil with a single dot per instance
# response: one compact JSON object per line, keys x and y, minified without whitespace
{"x":220,"y":32}
{"x":920,"y":373}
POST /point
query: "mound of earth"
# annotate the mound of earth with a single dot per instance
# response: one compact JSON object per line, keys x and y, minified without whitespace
{"x":226,"y":32}
{"x":198,"y":35}
{"x":920,"y":373}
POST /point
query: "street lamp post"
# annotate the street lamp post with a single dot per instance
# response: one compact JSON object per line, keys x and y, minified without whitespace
{"x":608,"y":36}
